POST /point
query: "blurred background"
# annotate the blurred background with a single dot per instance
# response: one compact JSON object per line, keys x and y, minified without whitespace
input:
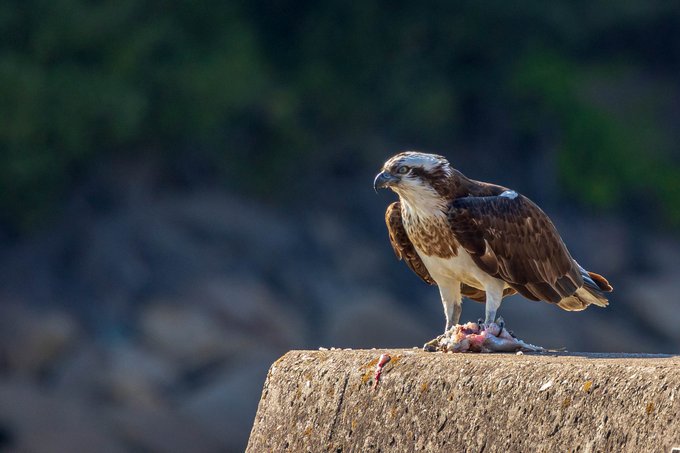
{"x":186,"y":191}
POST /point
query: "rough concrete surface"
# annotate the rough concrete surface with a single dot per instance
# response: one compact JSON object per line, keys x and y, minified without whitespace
{"x":316,"y":401}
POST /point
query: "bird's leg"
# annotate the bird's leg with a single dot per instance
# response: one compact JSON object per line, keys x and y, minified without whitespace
{"x":457,"y":309}
{"x":494,"y":296}
{"x":452,"y":303}
{"x":489,"y":336}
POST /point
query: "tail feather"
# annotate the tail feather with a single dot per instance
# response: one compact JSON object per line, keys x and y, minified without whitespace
{"x":601,"y":282}
{"x":590,"y":293}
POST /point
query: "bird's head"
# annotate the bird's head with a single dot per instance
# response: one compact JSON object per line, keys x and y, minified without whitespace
{"x":413,"y":175}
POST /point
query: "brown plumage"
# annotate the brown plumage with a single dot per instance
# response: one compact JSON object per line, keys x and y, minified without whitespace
{"x":404,"y":249}
{"x":479,"y":240}
{"x":402,"y":245}
{"x":513,"y":240}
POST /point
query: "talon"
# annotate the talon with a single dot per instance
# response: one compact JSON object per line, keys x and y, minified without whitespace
{"x":431,"y":346}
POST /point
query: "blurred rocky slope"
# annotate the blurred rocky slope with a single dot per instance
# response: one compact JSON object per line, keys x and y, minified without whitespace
{"x":147,"y":318}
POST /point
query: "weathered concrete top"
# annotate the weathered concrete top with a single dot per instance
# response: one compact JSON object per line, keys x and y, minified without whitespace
{"x":325,"y":401}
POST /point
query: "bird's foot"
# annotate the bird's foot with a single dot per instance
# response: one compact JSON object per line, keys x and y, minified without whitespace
{"x":479,"y":337}
{"x":495,"y":326}
{"x":434,"y":344}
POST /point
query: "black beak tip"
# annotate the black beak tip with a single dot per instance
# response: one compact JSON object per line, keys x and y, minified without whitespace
{"x":382,"y":180}
{"x":376,"y":182}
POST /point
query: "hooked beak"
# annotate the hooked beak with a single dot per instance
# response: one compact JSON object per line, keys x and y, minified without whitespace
{"x":384,"y":179}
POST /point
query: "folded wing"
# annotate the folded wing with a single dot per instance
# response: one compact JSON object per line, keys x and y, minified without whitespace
{"x":402,"y":245}
{"x":512,"y":239}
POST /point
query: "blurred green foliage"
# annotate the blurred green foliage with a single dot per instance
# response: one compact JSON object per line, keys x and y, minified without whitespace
{"x":256,"y":86}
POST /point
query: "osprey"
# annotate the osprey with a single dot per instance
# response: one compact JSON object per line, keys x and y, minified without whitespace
{"x":479,"y":240}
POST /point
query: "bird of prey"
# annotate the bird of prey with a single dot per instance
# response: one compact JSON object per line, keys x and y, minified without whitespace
{"x":479,"y":240}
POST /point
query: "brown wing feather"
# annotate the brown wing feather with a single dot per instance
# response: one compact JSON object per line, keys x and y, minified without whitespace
{"x":479,"y":295}
{"x":402,"y":245}
{"x":512,"y":239}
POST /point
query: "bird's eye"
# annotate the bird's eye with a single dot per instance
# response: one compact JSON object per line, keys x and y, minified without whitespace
{"x":402,"y":170}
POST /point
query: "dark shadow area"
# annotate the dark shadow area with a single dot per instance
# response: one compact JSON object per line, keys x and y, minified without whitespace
{"x":6,"y":437}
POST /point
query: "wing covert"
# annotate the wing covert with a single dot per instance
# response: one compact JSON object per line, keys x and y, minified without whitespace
{"x":511,"y":238}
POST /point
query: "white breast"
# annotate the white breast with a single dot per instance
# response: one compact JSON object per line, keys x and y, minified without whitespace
{"x":456,"y":269}
{"x":427,"y":208}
